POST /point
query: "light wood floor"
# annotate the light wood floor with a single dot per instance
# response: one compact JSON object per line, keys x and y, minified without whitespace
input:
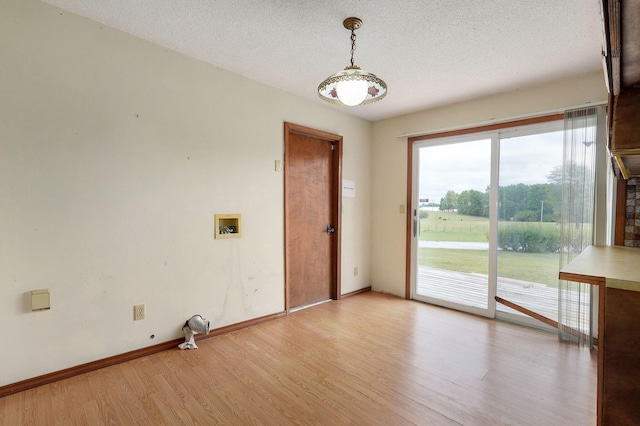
{"x":370,"y":359}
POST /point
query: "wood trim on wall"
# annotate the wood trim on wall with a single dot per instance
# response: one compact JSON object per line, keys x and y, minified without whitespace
{"x":478,"y":129}
{"x":489,"y":127}
{"x":337,"y":171}
{"x":356,"y":292}
{"x":621,"y":212}
{"x":127,"y":356}
{"x":409,"y":223}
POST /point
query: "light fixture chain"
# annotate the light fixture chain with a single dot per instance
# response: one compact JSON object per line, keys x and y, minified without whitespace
{"x":352,"y":86}
{"x":353,"y":44}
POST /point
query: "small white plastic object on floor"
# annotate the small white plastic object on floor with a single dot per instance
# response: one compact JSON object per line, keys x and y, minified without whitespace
{"x":194,"y":325}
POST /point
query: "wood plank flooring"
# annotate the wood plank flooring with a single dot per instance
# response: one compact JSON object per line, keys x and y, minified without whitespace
{"x":370,"y":359}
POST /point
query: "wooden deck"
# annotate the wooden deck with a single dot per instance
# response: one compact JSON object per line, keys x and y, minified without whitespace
{"x":471,"y":290}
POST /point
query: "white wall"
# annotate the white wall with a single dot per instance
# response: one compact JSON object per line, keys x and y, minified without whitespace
{"x":115,"y":154}
{"x":390,"y":158}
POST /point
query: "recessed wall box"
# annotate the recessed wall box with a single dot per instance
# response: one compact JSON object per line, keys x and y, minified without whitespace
{"x":228,"y":226}
{"x":40,"y":300}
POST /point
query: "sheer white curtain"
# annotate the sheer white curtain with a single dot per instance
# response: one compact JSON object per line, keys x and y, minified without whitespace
{"x":578,"y":185}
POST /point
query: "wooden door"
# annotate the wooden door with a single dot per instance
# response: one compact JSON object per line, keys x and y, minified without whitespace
{"x":312,"y":228}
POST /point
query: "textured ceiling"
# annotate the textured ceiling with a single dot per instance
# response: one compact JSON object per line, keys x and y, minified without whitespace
{"x":429,"y":53}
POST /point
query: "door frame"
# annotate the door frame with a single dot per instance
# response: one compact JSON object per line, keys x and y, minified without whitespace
{"x":336,"y":216}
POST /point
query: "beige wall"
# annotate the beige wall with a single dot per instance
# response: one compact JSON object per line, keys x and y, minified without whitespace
{"x":390,"y":157}
{"x":115,"y":154}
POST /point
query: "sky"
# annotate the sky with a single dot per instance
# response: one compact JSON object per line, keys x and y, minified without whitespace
{"x":462,"y":166}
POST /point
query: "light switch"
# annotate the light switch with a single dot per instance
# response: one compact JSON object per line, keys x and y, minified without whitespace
{"x":278,"y":165}
{"x":40,"y":300}
{"x":401,"y":208}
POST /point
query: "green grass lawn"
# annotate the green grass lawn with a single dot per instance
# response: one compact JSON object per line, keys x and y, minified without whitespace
{"x":533,"y":267}
{"x":451,"y":226}
{"x":448,"y":226}
{"x":444,"y":235}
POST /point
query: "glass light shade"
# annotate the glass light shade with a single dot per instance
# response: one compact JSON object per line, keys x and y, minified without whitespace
{"x":352,"y":92}
{"x":331,"y":89}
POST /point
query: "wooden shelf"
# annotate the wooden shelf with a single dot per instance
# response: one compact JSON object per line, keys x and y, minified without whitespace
{"x":609,"y":265}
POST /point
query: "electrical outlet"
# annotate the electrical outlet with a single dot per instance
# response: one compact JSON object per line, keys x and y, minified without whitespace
{"x":138,"y":312}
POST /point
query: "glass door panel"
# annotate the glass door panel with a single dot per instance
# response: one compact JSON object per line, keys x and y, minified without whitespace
{"x":488,"y":222}
{"x":452,"y":255}
{"x":529,"y":201}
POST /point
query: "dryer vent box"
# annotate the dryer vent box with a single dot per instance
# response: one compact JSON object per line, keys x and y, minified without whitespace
{"x":228,"y":226}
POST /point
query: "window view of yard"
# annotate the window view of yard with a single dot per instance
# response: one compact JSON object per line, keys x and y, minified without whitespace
{"x":438,"y":226}
{"x":522,"y":174}
{"x":453,"y":256}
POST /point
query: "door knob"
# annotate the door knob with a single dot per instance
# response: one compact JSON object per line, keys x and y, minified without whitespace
{"x":330,"y":229}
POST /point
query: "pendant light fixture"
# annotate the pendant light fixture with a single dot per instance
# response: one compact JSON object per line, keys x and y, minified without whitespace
{"x":352,"y":86}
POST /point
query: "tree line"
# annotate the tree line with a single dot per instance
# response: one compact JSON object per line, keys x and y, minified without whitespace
{"x":520,"y":202}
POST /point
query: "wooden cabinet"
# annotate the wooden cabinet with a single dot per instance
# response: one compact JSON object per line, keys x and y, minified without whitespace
{"x":625,"y":135}
{"x":621,"y":50}
{"x":616,"y":272}
{"x":621,"y":352}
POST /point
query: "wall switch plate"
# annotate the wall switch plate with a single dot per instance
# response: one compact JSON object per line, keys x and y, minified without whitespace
{"x":40,"y":300}
{"x":138,"y":312}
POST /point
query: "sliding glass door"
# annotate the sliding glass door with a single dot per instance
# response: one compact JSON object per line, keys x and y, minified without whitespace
{"x":486,"y":227}
{"x":529,"y":209}
{"x":452,"y":224}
